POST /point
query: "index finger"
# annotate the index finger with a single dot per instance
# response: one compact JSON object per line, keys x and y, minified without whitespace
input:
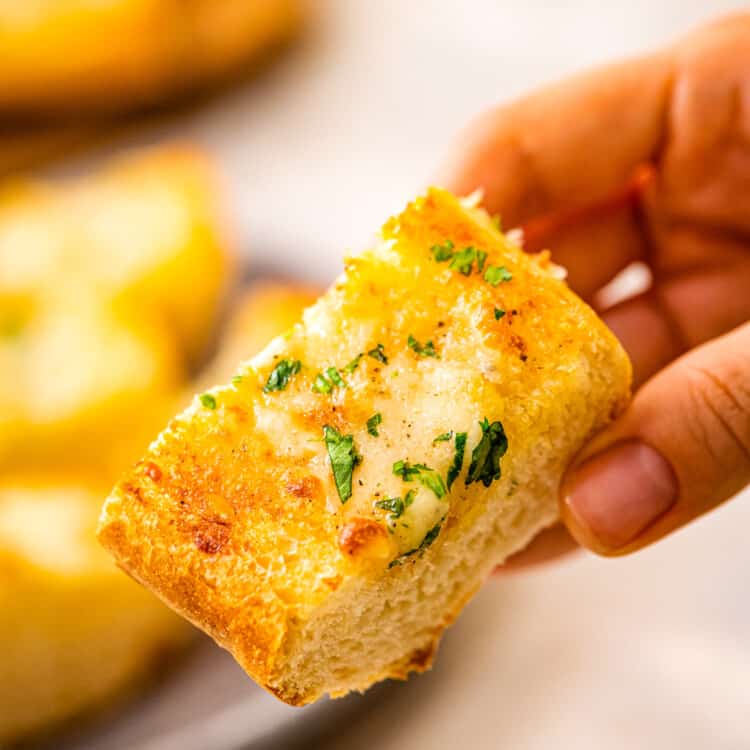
{"x":570,"y":144}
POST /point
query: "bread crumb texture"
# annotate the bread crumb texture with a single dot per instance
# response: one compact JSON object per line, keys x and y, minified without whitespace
{"x":327,"y":514}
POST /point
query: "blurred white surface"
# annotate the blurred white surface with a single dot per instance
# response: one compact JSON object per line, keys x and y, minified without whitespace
{"x":652,"y":651}
{"x":340,"y":134}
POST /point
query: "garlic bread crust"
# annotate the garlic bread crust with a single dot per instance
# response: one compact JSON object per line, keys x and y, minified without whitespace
{"x":329,"y":513}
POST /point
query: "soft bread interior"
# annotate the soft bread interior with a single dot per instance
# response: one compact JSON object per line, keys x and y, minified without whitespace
{"x":350,"y":642}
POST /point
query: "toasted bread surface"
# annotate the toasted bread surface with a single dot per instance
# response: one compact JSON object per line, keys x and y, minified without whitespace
{"x":330,"y":512}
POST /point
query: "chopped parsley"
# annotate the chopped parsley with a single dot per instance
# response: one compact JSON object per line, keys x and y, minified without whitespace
{"x":442,"y":253}
{"x":426,"y":476}
{"x":378,"y":353}
{"x":208,"y":400}
{"x":463,"y":260}
{"x":335,"y":377}
{"x":344,"y":459}
{"x":405,"y":470}
{"x":321,"y":384}
{"x":325,"y":383}
{"x":485,"y":458}
{"x":495,"y":274}
{"x":429,"y":538}
{"x":353,"y":365}
{"x":396,"y":505}
{"x":372,"y":424}
{"x":444,"y":438}
{"x":423,"y":350}
{"x":236,"y":379}
{"x":281,"y":374}
{"x":458,"y":459}
{"x":499,"y":313}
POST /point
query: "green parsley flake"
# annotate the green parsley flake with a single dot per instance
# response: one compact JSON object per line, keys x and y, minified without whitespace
{"x":444,"y":438}
{"x":353,"y":365}
{"x":426,"y":476}
{"x":485,"y":458}
{"x":463,"y":260}
{"x":395,"y":505}
{"x":442,"y":253}
{"x":335,"y":377}
{"x":458,"y":459}
{"x":378,"y":353}
{"x":236,"y":379}
{"x":325,"y":383}
{"x":426,"y":350}
{"x":499,"y":313}
{"x":344,"y":459}
{"x":495,"y":274}
{"x":372,"y":424}
{"x":429,"y":538}
{"x":321,"y":384}
{"x":208,"y":400}
{"x":281,"y":374}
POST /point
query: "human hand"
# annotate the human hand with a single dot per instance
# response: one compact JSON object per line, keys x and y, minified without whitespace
{"x":645,"y":161}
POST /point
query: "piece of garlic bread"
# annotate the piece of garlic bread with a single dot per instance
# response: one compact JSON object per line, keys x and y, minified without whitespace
{"x":148,"y":230}
{"x":330,"y":512}
{"x":268,"y":309}
{"x":110,"y":288}
{"x":74,"y":630}
{"x":68,"y":57}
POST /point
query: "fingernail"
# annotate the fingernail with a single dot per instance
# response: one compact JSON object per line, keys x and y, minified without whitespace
{"x":616,"y":495}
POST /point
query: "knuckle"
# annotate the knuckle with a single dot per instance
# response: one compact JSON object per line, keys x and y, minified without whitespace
{"x":719,"y":413}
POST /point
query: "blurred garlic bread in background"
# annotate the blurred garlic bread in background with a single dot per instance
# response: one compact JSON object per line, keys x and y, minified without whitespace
{"x":74,"y":629}
{"x":109,"y":291}
{"x":81,"y":56}
{"x":22,"y":147}
{"x":111,"y":286}
{"x":269,"y":308}
{"x":330,"y":511}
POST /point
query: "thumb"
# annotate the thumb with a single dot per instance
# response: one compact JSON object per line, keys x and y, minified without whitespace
{"x":681,"y":449}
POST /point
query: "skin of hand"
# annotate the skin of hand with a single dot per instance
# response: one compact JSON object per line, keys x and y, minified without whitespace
{"x":644,"y":161}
